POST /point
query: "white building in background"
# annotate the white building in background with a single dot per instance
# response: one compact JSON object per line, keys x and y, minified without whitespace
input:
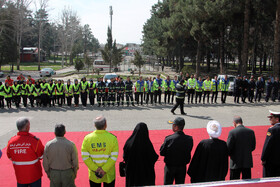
{"x":130,"y":49}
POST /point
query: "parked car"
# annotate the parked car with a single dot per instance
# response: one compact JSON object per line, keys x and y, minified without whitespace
{"x":231,"y":79}
{"x":1,"y":74}
{"x":109,"y":76}
{"x":47,"y":72}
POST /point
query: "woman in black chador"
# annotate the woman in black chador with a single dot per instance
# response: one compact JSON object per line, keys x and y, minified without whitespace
{"x":140,"y":157}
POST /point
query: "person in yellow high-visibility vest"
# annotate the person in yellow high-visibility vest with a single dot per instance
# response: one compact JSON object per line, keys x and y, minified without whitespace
{"x":191,"y":83}
{"x":100,"y":151}
{"x":207,"y":89}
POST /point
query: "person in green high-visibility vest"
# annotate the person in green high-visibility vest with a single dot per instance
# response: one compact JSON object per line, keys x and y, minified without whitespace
{"x":59,"y":92}
{"x":191,"y":83}
{"x":8,"y":91}
{"x":2,"y":95}
{"x":69,"y":92}
{"x":44,"y":93}
{"x":24,"y":93}
{"x":31,"y":92}
{"x":215,"y":90}
{"x":198,"y":90}
{"x":206,"y":89}
{"x":92,"y":92}
{"x":38,"y":91}
{"x":84,"y":91}
{"x":16,"y":93}
{"x":167,"y":89}
{"x":51,"y":93}
{"x":76,"y":92}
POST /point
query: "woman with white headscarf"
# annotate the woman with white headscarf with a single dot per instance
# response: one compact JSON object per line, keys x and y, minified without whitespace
{"x":210,"y":160}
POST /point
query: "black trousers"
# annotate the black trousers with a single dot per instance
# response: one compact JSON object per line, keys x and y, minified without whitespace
{"x":271,"y":171}
{"x":44,"y":99}
{"x":158,"y":95}
{"x":173,"y":93}
{"x":237,"y":95}
{"x":52,"y":100}
{"x":138,"y":96}
{"x":176,"y":173}
{"x":2,"y":102}
{"x":38,"y":100}
{"x":181,"y":103}
{"x":91,"y":98}
{"x":111,"y":98}
{"x":120,"y":96}
{"x":198,"y":95}
{"x":84,"y":98}
{"x":214,"y":97}
{"x":24,"y":100}
{"x":17,"y":100}
{"x":59,"y":100}
{"x":9,"y":102}
{"x":244,"y":95}
{"x":76,"y":99}
{"x":167,"y":96}
{"x":258,"y":95}
{"x":128,"y":95}
{"x":235,"y":173}
{"x":274,"y":95}
{"x":190,"y":95}
{"x":251,"y":96}
{"x":151,"y":96}
{"x":101,"y":98}
{"x":93,"y":184}
{"x":208,"y":94}
{"x":69,"y":100}
{"x":224,"y":96}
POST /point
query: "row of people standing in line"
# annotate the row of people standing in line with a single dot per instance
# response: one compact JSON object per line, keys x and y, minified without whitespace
{"x":253,"y":90}
{"x":100,"y":151}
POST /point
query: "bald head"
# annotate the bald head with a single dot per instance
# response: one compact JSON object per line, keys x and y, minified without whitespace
{"x":100,"y":123}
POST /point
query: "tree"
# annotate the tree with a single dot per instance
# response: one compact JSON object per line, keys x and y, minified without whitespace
{"x":276,"y":57}
{"x":41,"y":19}
{"x":138,"y":61}
{"x":87,"y":62}
{"x":79,"y":64}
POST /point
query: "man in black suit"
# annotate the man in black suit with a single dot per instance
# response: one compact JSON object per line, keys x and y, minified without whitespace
{"x":176,"y":150}
{"x":241,"y":143}
{"x":271,"y":152}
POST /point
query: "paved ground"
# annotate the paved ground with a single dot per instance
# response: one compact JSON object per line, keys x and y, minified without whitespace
{"x":125,"y":118}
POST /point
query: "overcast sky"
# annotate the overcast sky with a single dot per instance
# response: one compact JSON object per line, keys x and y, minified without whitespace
{"x":129,"y":16}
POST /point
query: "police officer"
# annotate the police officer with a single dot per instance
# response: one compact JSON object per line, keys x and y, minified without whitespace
{"x":271,"y":152}
{"x":245,"y":86}
{"x":180,"y":97}
{"x":191,"y":83}
{"x":237,"y":88}
{"x":275,"y":90}
{"x":268,"y":89}
{"x":129,"y":91}
{"x":259,"y":89}
{"x":251,"y":88}
{"x":76,"y":92}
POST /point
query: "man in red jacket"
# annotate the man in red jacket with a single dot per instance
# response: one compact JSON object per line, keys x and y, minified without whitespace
{"x":9,"y":80}
{"x":25,"y":150}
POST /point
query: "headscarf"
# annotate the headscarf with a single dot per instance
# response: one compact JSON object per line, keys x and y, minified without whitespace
{"x":139,"y":144}
{"x":214,"y":129}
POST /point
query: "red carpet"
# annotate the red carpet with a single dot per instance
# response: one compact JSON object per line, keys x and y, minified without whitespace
{"x":7,"y":176}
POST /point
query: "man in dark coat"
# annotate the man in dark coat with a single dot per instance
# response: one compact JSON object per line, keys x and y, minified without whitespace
{"x":275,"y":90}
{"x":241,"y":143}
{"x":259,"y":89}
{"x":176,"y":150}
{"x":237,"y":88}
{"x":252,"y":86}
{"x":140,"y":157}
{"x":271,"y":152}
{"x":210,"y":160}
{"x":268,"y":89}
{"x":245,"y":86}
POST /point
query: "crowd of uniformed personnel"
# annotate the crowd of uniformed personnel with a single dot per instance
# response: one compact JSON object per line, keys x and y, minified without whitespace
{"x":118,"y":92}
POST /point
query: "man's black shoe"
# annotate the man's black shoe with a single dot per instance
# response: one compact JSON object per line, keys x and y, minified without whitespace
{"x":184,"y":113}
{"x":173,"y":113}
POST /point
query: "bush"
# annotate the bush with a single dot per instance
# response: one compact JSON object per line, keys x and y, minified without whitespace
{"x":79,"y":64}
{"x":188,"y":69}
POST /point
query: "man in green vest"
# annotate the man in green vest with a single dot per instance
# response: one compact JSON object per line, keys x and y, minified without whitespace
{"x":31,"y":93}
{"x":76,"y":92}
{"x":44,"y":93}
{"x":215,"y":89}
{"x":69,"y":92}
{"x":84,"y":91}
{"x":223,"y":85}
{"x":191,"y":88}
{"x":198,"y":90}
{"x":92,"y":92}
{"x":8,"y":91}
{"x":207,"y":89}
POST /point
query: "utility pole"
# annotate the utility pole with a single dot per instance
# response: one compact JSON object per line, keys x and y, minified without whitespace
{"x":111,"y":17}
